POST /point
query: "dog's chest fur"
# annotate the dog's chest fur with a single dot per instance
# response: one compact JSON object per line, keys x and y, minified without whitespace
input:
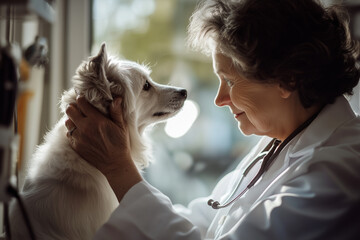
{"x":66,"y":197}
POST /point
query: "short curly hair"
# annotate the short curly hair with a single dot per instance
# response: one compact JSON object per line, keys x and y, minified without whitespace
{"x":300,"y":44}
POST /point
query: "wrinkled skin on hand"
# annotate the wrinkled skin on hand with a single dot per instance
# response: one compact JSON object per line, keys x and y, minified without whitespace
{"x":103,"y":142}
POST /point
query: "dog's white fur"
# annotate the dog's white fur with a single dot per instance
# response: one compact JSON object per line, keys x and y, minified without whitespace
{"x":66,"y":197}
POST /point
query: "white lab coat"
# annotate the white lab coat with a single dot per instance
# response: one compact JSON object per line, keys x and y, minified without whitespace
{"x":311,"y":191}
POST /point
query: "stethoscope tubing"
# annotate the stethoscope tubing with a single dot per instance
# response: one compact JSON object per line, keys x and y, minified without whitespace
{"x":268,"y":157}
{"x":277,"y":147}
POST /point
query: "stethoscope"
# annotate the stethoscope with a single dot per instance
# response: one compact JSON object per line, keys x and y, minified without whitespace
{"x":276,"y":147}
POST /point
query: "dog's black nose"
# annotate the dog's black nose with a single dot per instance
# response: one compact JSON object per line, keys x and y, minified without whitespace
{"x":183,"y":92}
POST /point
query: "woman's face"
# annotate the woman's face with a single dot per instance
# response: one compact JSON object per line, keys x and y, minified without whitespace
{"x":256,"y":106}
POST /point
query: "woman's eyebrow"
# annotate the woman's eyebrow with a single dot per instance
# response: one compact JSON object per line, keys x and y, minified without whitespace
{"x":220,"y":71}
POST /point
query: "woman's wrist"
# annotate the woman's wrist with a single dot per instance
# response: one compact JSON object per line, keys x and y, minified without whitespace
{"x":122,"y":179}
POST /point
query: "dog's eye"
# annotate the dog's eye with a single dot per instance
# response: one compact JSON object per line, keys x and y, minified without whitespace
{"x":147,"y":86}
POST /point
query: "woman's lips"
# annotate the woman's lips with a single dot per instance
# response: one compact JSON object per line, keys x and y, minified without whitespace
{"x":239,"y":114}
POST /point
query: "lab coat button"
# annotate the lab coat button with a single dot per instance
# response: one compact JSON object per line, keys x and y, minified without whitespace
{"x":222,"y":220}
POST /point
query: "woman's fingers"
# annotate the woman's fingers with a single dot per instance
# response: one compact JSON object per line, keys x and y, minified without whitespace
{"x":70,"y":127}
{"x":74,"y":115}
{"x":87,"y":109}
{"x":83,"y":108}
{"x":69,"y":124}
{"x":116,"y":112}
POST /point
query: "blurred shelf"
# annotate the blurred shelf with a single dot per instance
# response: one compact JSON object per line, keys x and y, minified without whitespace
{"x":30,"y":8}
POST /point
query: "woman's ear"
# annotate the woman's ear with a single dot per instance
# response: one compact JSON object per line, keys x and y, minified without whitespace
{"x":284,"y":93}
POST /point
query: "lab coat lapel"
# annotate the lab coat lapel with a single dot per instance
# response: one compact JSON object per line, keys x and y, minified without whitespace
{"x":301,"y":148}
{"x":328,"y":120}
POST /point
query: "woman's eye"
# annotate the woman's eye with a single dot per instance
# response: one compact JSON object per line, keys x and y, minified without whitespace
{"x":228,"y":82}
{"x":147,"y":86}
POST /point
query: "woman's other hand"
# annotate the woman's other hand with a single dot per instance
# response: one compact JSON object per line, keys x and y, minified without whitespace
{"x":103,"y":142}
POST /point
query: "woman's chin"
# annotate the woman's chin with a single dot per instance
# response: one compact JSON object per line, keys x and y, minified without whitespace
{"x":245,"y":130}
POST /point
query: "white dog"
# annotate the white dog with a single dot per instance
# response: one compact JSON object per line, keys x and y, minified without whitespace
{"x":66,"y":198}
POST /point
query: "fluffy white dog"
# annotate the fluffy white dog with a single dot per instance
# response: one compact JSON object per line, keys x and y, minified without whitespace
{"x":66,"y":198}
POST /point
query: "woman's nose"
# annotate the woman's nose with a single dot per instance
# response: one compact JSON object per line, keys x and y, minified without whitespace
{"x":223,"y":97}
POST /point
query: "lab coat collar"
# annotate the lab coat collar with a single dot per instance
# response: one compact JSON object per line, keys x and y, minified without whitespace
{"x":328,"y":120}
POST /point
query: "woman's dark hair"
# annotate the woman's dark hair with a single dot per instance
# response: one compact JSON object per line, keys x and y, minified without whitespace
{"x":297,"y":43}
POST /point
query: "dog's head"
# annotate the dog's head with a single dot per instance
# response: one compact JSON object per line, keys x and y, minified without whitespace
{"x":103,"y":78}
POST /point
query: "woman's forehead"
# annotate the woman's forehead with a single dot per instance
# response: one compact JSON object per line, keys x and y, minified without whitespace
{"x":222,"y":63}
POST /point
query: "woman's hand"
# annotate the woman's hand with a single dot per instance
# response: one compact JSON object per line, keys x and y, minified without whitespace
{"x":103,"y":142}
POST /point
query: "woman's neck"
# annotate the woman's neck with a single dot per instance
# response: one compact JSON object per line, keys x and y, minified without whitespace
{"x":296,"y":116}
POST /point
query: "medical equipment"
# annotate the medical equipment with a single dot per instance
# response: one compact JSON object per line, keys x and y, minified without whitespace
{"x":267,"y":157}
{"x":9,"y":140}
{"x":10,"y":58}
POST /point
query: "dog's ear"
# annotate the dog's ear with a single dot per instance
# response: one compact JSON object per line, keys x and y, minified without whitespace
{"x":98,"y":62}
{"x":97,"y":65}
{"x":91,"y":80}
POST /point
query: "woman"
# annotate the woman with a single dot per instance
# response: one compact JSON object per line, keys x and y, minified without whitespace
{"x":283,"y":67}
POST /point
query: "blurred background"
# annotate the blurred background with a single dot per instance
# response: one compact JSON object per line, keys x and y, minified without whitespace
{"x":191,"y":151}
